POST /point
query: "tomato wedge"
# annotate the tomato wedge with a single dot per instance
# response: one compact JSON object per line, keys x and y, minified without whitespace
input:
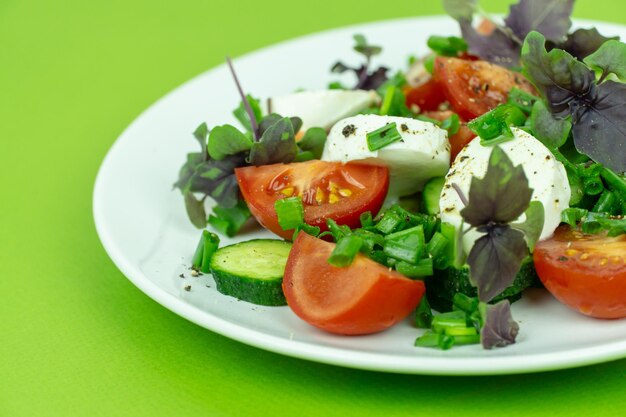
{"x":363,"y":298}
{"x":475,"y":87}
{"x":457,"y":141}
{"x":329,"y":190}
{"x":585,"y":272}
{"x":427,"y":96}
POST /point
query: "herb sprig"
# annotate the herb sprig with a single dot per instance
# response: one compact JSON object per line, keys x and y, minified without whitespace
{"x":495,"y":202}
{"x":367,"y":78}
{"x":210,"y":173}
{"x":503,"y":44}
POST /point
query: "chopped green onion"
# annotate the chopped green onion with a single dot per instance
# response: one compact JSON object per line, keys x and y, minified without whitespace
{"x":616,"y":182}
{"x":407,"y":245}
{"x":430,"y":339}
{"x":607,"y":203}
{"x":437,"y":248}
{"x":459,"y":331}
{"x":467,"y":340}
{"x":370,"y":239}
{"x":290,"y":212}
{"x":423,"y":314}
{"x":346,"y":249}
{"x":394,"y":103}
{"x":449,"y":319}
{"x":382,"y":137}
{"x":229,"y":221}
{"x":423,"y":268}
{"x":208,"y":244}
{"x":495,"y":125}
{"x":522,"y":100}
{"x":366,"y":219}
{"x":306,"y":228}
{"x":451,"y":124}
{"x":573,"y":215}
{"x":447,"y":46}
{"x":464,"y":303}
{"x":336,"y":230}
{"x":388,"y":223}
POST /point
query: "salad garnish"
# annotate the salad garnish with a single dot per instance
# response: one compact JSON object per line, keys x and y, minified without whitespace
{"x":495,"y":201}
{"x":367,"y":79}
{"x":494,"y":163}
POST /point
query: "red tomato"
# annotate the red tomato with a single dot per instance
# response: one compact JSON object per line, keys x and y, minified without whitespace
{"x":585,"y":272}
{"x":475,"y":87}
{"x":427,"y":96}
{"x":329,"y":190}
{"x":365,"y":297}
{"x":460,"y":138}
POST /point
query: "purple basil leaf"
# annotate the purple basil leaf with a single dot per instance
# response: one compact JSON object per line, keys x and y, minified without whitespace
{"x":495,"y":260}
{"x":498,"y":47}
{"x":371,"y":80}
{"x":559,"y":76}
{"x":584,"y":42}
{"x":599,"y":125}
{"x":499,"y":329}
{"x":549,"y":17}
{"x":277,"y":144}
{"x":501,"y":196}
{"x":195,"y":210}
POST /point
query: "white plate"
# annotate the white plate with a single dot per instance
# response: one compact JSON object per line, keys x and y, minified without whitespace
{"x":143,"y":227}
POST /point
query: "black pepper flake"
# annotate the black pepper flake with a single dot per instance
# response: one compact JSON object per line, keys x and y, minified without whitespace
{"x":547,"y":157}
{"x":181,"y":276}
{"x":404,"y":127}
{"x":448,"y":209}
{"x":348,"y":130}
{"x":563,"y":258}
{"x":187,"y":288}
{"x":463,"y":158}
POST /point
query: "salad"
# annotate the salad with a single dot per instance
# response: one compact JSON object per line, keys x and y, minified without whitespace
{"x":440,"y":192}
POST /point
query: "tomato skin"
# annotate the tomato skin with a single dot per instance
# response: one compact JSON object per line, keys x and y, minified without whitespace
{"x":475,"y":87}
{"x":427,"y":96}
{"x":363,"y":298}
{"x":585,"y":272}
{"x":255,"y":184}
{"x":461,"y":138}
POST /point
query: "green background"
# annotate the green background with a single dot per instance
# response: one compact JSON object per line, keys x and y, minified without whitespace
{"x":76,"y":337}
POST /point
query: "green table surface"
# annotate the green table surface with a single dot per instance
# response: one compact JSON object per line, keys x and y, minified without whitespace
{"x":76,"y":337}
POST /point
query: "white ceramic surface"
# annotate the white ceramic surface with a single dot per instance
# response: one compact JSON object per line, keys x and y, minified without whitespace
{"x":143,"y":227}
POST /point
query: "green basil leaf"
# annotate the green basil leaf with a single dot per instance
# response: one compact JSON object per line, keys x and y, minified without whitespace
{"x":533,"y":225}
{"x":227,"y":140}
{"x":610,"y":58}
{"x":551,"y":131}
{"x":242,"y":115}
{"x":277,"y":144}
{"x":313,"y":141}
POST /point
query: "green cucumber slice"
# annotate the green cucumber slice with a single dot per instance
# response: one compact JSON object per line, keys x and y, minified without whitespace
{"x":432,"y":194}
{"x":252,"y":271}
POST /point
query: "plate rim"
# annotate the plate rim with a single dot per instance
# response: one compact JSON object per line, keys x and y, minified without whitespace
{"x":453,"y":366}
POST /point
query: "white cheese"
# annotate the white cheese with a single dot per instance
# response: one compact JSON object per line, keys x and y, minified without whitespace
{"x":546,"y":176}
{"x":322,"y":108}
{"x":422,"y":153}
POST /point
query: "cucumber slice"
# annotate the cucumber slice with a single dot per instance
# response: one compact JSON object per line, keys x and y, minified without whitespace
{"x":441,"y":287}
{"x":252,"y":271}
{"x":432,"y":194}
